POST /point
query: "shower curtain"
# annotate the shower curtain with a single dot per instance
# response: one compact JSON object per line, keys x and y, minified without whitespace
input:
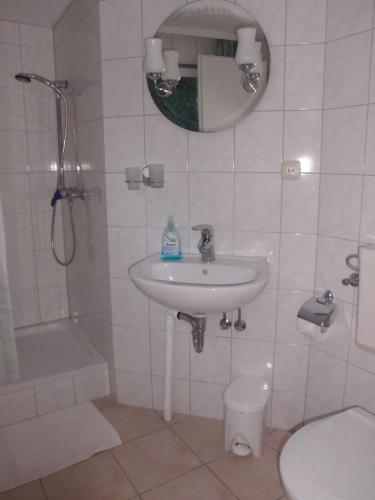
{"x":9,"y":369}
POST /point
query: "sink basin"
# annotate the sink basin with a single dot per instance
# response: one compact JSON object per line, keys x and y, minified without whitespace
{"x":193,"y":286}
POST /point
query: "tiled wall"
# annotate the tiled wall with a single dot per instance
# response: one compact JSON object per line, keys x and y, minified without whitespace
{"x":27,"y":176}
{"x":341,"y":374}
{"x":77,"y":53}
{"x":314,"y":110}
{"x":230,"y":179}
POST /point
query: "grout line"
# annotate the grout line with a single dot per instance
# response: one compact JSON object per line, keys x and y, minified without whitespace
{"x":124,"y":472}
{"x":319,"y":202}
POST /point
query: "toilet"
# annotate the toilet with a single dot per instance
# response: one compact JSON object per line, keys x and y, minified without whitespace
{"x":245,"y":401}
{"x":331,"y":459}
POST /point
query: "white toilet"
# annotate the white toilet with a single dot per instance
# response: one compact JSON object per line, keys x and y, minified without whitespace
{"x":245,"y":400}
{"x":331,"y":459}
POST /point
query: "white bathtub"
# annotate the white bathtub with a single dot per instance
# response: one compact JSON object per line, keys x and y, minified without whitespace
{"x":58,"y":367}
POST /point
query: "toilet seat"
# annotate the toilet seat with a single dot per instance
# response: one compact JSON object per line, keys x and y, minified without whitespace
{"x":331,"y":459}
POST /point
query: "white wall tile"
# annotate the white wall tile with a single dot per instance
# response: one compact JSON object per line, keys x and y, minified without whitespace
{"x":213,"y":364}
{"x":122,"y":89}
{"x":54,"y":395}
{"x":314,"y":409}
{"x":326,"y":379}
{"x":13,"y":152}
{"x":12,"y":113}
{"x":36,"y":36}
{"x":10,"y":62}
{"x":17,"y":406}
{"x":339,"y":90}
{"x":287,"y":410}
{"x":270,"y":15}
{"x":126,"y":246}
{"x":290,"y":370}
{"x":181,"y":350}
{"x":92,"y":384}
{"x":344,"y":217}
{"x":180,"y":395}
{"x":304,"y":76}
{"x":346,"y":18}
{"x":300,"y":205}
{"x":305,"y":22}
{"x":125,"y":208}
{"x":302,"y":138}
{"x":217,"y":207}
{"x":257,"y":202}
{"x":206,"y":400}
{"x":258,"y":142}
{"x":260,"y":317}
{"x":297,"y":261}
{"x":124,"y":143}
{"x":360,"y":389}
{"x":212,"y":152}
{"x":9,"y":32}
{"x":172,"y":199}
{"x":129,"y":306}
{"x":262,"y":244}
{"x":132,"y":349}
{"x":166,"y":143}
{"x":344,"y":133}
{"x":38,"y":60}
{"x":252,"y":358}
{"x":134,"y":389}
{"x":120,"y":29}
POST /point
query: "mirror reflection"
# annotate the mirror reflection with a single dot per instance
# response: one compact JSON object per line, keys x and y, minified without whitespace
{"x":207,"y":66}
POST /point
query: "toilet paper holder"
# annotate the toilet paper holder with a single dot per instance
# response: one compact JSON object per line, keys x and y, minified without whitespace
{"x":320,"y":311}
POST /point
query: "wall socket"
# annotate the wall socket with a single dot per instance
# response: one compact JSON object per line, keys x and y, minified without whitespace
{"x":291,"y":170}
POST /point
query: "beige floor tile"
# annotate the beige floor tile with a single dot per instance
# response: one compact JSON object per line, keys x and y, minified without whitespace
{"x":204,"y":435}
{"x":277,"y":439}
{"x":155,"y":458}
{"x":199,"y":484}
{"x":250,"y":478}
{"x":132,"y":422}
{"x":104,"y":402}
{"x":29,"y":491}
{"x":98,"y":478}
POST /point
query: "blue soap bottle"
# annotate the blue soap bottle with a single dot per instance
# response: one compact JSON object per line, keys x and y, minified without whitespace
{"x":171,"y":242}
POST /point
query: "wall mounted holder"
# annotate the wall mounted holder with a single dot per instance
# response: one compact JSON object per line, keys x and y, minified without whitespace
{"x":320,"y":311}
{"x":134,"y":176}
{"x":353,"y":279}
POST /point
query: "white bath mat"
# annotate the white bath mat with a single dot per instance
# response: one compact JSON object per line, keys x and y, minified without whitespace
{"x":43,"y":445}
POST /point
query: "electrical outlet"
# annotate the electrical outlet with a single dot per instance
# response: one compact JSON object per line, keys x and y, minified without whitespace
{"x":291,"y":170}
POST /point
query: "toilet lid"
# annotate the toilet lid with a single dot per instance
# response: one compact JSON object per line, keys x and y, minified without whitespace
{"x":246,"y":393}
{"x":332,"y":459}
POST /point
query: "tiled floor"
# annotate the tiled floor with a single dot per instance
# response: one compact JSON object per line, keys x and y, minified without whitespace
{"x":181,"y":461}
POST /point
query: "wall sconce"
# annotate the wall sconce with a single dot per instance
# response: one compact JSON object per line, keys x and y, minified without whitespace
{"x":134,"y":176}
{"x":248,"y":58}
{"x":161,"y":68}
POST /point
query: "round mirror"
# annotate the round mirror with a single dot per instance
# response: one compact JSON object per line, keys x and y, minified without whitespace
{"x":207,"y":66}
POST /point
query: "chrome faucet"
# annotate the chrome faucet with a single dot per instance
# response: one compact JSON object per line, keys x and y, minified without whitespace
{"x":206,"y":245}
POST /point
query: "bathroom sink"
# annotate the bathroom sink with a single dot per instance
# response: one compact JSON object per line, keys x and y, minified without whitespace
{"x":193,"y":286}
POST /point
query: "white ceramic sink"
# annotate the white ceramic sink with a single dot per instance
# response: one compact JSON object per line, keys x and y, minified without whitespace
{"x":193,"y":286}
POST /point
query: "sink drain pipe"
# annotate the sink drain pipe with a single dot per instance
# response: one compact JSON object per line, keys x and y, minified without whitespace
{"x":198,"y":324}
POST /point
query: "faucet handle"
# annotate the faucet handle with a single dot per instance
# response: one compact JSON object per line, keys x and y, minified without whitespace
{"x":206,"y":229}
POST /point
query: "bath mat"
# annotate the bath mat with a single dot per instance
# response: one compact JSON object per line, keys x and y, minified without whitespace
{"x":38,"y":447}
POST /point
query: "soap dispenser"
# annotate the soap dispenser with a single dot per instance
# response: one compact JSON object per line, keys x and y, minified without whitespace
{"x":171,"y":242}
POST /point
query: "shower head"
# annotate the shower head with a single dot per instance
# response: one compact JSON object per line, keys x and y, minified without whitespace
{"x":27,"y":77}
{"x":22,"y":77}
